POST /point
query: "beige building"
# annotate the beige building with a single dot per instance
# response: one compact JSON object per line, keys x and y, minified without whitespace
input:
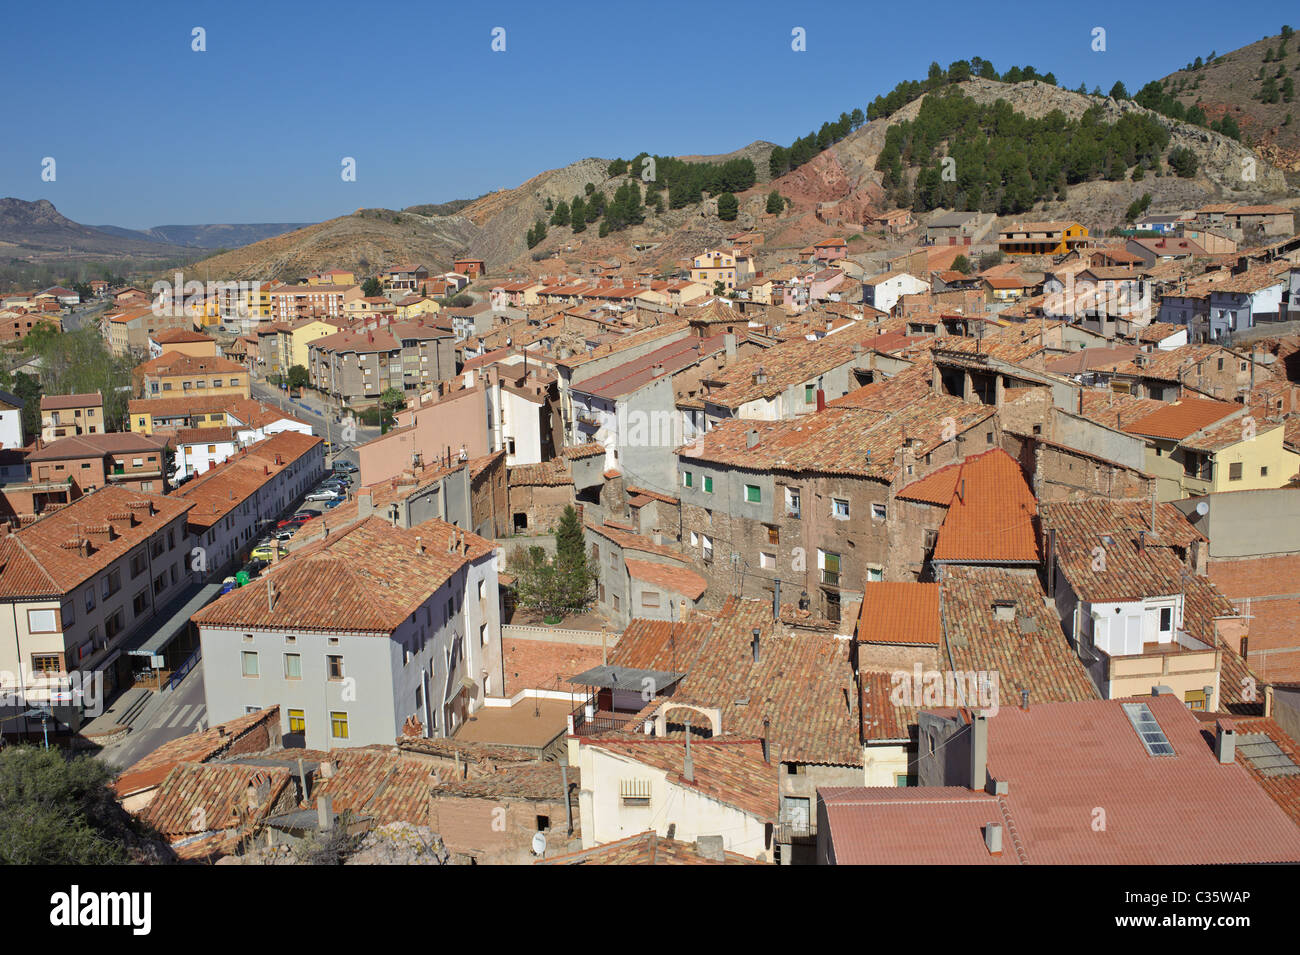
{"x":65,"y":415}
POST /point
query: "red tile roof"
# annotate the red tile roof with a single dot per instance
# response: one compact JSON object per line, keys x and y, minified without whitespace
{"x":1182,"y":418}
{"x":991,"y":515}
{"x":906,"y":613}
{"x":677,"y":580}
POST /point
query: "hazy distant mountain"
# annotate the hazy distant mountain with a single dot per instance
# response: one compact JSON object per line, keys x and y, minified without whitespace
{"x":212,"y":236}
{"x":36,"y":230}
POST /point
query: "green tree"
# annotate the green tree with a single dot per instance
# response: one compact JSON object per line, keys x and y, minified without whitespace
{"x":1137,"y":207}
{"x":297,"y":376}
{"x":1183,"y":162}
{"x":775,"y":203}
{"x":1118,"y":91}
{"x":59,"y":811}
{"x":391,"y":401}
{"x":575,"y":574}
{"x":963,"y":265}
{"x":728,"y":207}
{"x":617,"y":167}
{"x":561,"y":216}
{"x":371,"y":288}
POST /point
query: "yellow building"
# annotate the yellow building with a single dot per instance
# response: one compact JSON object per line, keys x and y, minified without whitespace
{"x":147,"y":415}
{"x":256,"y":301}
{"x":713,"y":267}
{"x":176,"y":375}
{"x":1041,"y":238}
{"x":333,"y":277}
{"x":1197,"y":446}
{"x":295,"y":338}
{"x":425,"y":306}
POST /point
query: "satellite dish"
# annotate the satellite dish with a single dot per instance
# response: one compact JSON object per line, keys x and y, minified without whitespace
{"x":539,"y":843}
{"x":1202,"y":508}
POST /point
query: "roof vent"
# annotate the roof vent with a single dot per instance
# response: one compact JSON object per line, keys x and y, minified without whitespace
{"x":993,"y":838}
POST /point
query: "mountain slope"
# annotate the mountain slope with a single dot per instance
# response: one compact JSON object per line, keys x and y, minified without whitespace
{"x":207,"y":236}
{"x":38,"y":231}
{"x":1230,"y":84}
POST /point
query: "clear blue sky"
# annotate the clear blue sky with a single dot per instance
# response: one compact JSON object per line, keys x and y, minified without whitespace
{"x":147,"y":132}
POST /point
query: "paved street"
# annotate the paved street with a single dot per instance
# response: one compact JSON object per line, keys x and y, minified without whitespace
{"x":162,"y":720}
{"x":311,"y":409}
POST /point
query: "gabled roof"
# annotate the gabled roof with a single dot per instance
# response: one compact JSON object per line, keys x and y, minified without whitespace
{"x":58,"y":402}
{"x":1029,"y":651}
{"x":1182,"y":418}
{"x":991,"y":514}
{"x":648,"y":848}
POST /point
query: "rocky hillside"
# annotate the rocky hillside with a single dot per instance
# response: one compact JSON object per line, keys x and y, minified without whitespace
{"x":846,"y":173}
{"x":1230,"y":85}
{"x":841,"y":181}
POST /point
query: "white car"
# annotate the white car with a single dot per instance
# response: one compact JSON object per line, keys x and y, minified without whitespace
{"x":324,"y":494}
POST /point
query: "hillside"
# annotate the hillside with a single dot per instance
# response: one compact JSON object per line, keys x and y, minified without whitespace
{"x":207,"y":236}
{"x":366,"y":240}
{"x":841,"y":179}
{"x":37,"y":232}
{"x":1230,"y":84}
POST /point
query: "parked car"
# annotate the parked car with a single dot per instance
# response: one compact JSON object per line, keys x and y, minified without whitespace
{"x":287,"y":533}
{"x":323,"y":494}
{"x":346,"y":466}
{"x":307,"y":512}
{"x":265,"y":553}
{"x":330,"y":505}
{"x":292,"y":522}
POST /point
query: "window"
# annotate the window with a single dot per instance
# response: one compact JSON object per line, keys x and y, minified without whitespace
{"x":338,"y":724}
{"x":878,"y":512}
{"x":334,"y":666}
{"x":1263,"y":472}
{"x":616,"y":603}
{"x":249,"y":658}
{"x":809,"y":394}
{"x":830,"y":567}
{"x":791,"y":502}
{"x":649,"y":598}
{"x":706,"y":543}
{"x":688,"y":479}
{"x":708,"y":484}
{"x":695,"y":539}
{"x":634,"y":793}
{"x":1148,"y":729}
{"x":297,"y":722}
{"x":112,"y":584}
{"x":293,"y":666}
{"x":45,"y":664}
{"x":766,"y":561}
{"x":839,"y":509}
{"x":42,"y":621}
{"x":1234,"y":471}
{"x":875,"y":574}
{"x":753,"y":494}
{"x":141,"y":602}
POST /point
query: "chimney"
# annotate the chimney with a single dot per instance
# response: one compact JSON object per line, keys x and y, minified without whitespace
{"x":1024,"y":699}
{"x":767,"y":750}
{"x":419,"y":545}
{"x":755,"y":647}
{"x":821,"y":399}
{"x":729,"y":344}
{"x":324,"y":814}
{"x":1225,"y":740}
{"x":270,"y":584}
{"x":979,"y":752}
{"x":993,"y":838}
{"x":1142,"y":542}
{"x":688,"y":766}
{"x":751,"y":438}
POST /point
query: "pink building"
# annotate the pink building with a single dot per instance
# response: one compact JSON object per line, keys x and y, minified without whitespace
{"x":453,"y":424}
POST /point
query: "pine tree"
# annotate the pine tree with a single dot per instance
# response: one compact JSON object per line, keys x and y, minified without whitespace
{"x":728,"y":207}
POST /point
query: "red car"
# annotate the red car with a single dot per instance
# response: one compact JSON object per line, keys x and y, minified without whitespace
{"x":292,"y":522}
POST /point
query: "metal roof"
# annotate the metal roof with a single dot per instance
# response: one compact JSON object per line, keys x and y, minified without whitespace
{"x":626,"y":678}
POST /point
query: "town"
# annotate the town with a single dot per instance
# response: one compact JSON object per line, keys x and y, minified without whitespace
{"x":792,"y":531}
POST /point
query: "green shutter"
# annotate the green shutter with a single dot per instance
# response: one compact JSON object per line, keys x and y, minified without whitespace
{"x":708,"y":484}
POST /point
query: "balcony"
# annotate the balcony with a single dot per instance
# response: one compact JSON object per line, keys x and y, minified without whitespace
{"x":587,"y":420}
{"x":788,"y":832}
{"x":588,"y":720}
{"x":831,"y":578}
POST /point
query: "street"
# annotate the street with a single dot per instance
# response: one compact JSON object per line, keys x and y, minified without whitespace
{"x":162,"y":720}
{"x":310,"y":408}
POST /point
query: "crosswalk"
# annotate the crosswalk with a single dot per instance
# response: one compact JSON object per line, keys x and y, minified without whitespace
{"x":191,"y":716}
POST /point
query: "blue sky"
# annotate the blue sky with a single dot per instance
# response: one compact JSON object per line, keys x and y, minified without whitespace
{"x":145,"y":131}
